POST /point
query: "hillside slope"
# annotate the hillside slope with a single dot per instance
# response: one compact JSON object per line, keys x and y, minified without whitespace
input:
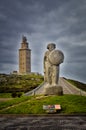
{"x":33,"y":84}
{"x":78,"y":84}
{"x":24,"y":83}
{"x":68,"y":88}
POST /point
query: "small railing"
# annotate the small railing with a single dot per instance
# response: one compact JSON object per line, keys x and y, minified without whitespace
{"x":33,"y":92}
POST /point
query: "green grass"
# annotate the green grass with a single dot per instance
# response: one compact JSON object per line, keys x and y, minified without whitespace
{"x":31,"y":105}
{"x":5,"y":95}
{"x":19,"y":83}
{"x":14,"y":101}
{"x":78,"y":84}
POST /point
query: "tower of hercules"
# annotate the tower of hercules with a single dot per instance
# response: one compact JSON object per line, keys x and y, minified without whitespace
{"x":24,"y":57}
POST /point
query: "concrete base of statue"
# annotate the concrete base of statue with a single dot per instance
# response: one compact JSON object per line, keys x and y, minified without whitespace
{"x":53,"y":90}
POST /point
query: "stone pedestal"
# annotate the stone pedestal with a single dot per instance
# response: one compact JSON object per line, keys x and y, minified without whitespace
{"x":53,"y":90}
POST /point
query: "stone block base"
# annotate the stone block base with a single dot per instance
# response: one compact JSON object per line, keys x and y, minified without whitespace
{"x":53,"y":90}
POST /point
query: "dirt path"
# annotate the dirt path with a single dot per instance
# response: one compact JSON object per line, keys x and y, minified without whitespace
{"x":5,"y":99}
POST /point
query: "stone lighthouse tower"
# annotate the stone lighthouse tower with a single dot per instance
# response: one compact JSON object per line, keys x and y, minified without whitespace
{"x":24,"y":57}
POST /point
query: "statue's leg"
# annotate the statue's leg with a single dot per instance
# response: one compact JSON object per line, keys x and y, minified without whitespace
{"x":46,"y":72}
{"x":55,"y":75}
{"x":50,"y":75}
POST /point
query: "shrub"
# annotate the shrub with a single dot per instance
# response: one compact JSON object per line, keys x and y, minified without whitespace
{"x":19,"y":94}
{"x":14,"y":94}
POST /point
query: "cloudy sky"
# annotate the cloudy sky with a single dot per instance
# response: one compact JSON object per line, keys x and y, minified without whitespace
{"x":62,"y":22}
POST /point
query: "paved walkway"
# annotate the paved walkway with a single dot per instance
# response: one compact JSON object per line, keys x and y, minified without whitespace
{"x":53,"y":122}
{"x":68,"y":88}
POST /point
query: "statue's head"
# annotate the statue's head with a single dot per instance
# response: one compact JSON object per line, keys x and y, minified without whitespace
{"x":51,"y":46}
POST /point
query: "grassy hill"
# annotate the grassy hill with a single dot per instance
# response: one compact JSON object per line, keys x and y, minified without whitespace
{"x":23,"y":83}
{"x":78,"y":84}
{"x":19,"y":83}
{"x":34,"y":104}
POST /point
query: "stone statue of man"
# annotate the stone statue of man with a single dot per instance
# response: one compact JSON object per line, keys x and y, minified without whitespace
{"x":52,"y":60}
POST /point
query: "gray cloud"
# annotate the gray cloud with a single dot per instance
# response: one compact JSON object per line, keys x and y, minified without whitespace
{"x":44,"y":21}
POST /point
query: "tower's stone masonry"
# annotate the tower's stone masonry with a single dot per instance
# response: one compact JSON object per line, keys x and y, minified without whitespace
{"x":24,"y":57}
